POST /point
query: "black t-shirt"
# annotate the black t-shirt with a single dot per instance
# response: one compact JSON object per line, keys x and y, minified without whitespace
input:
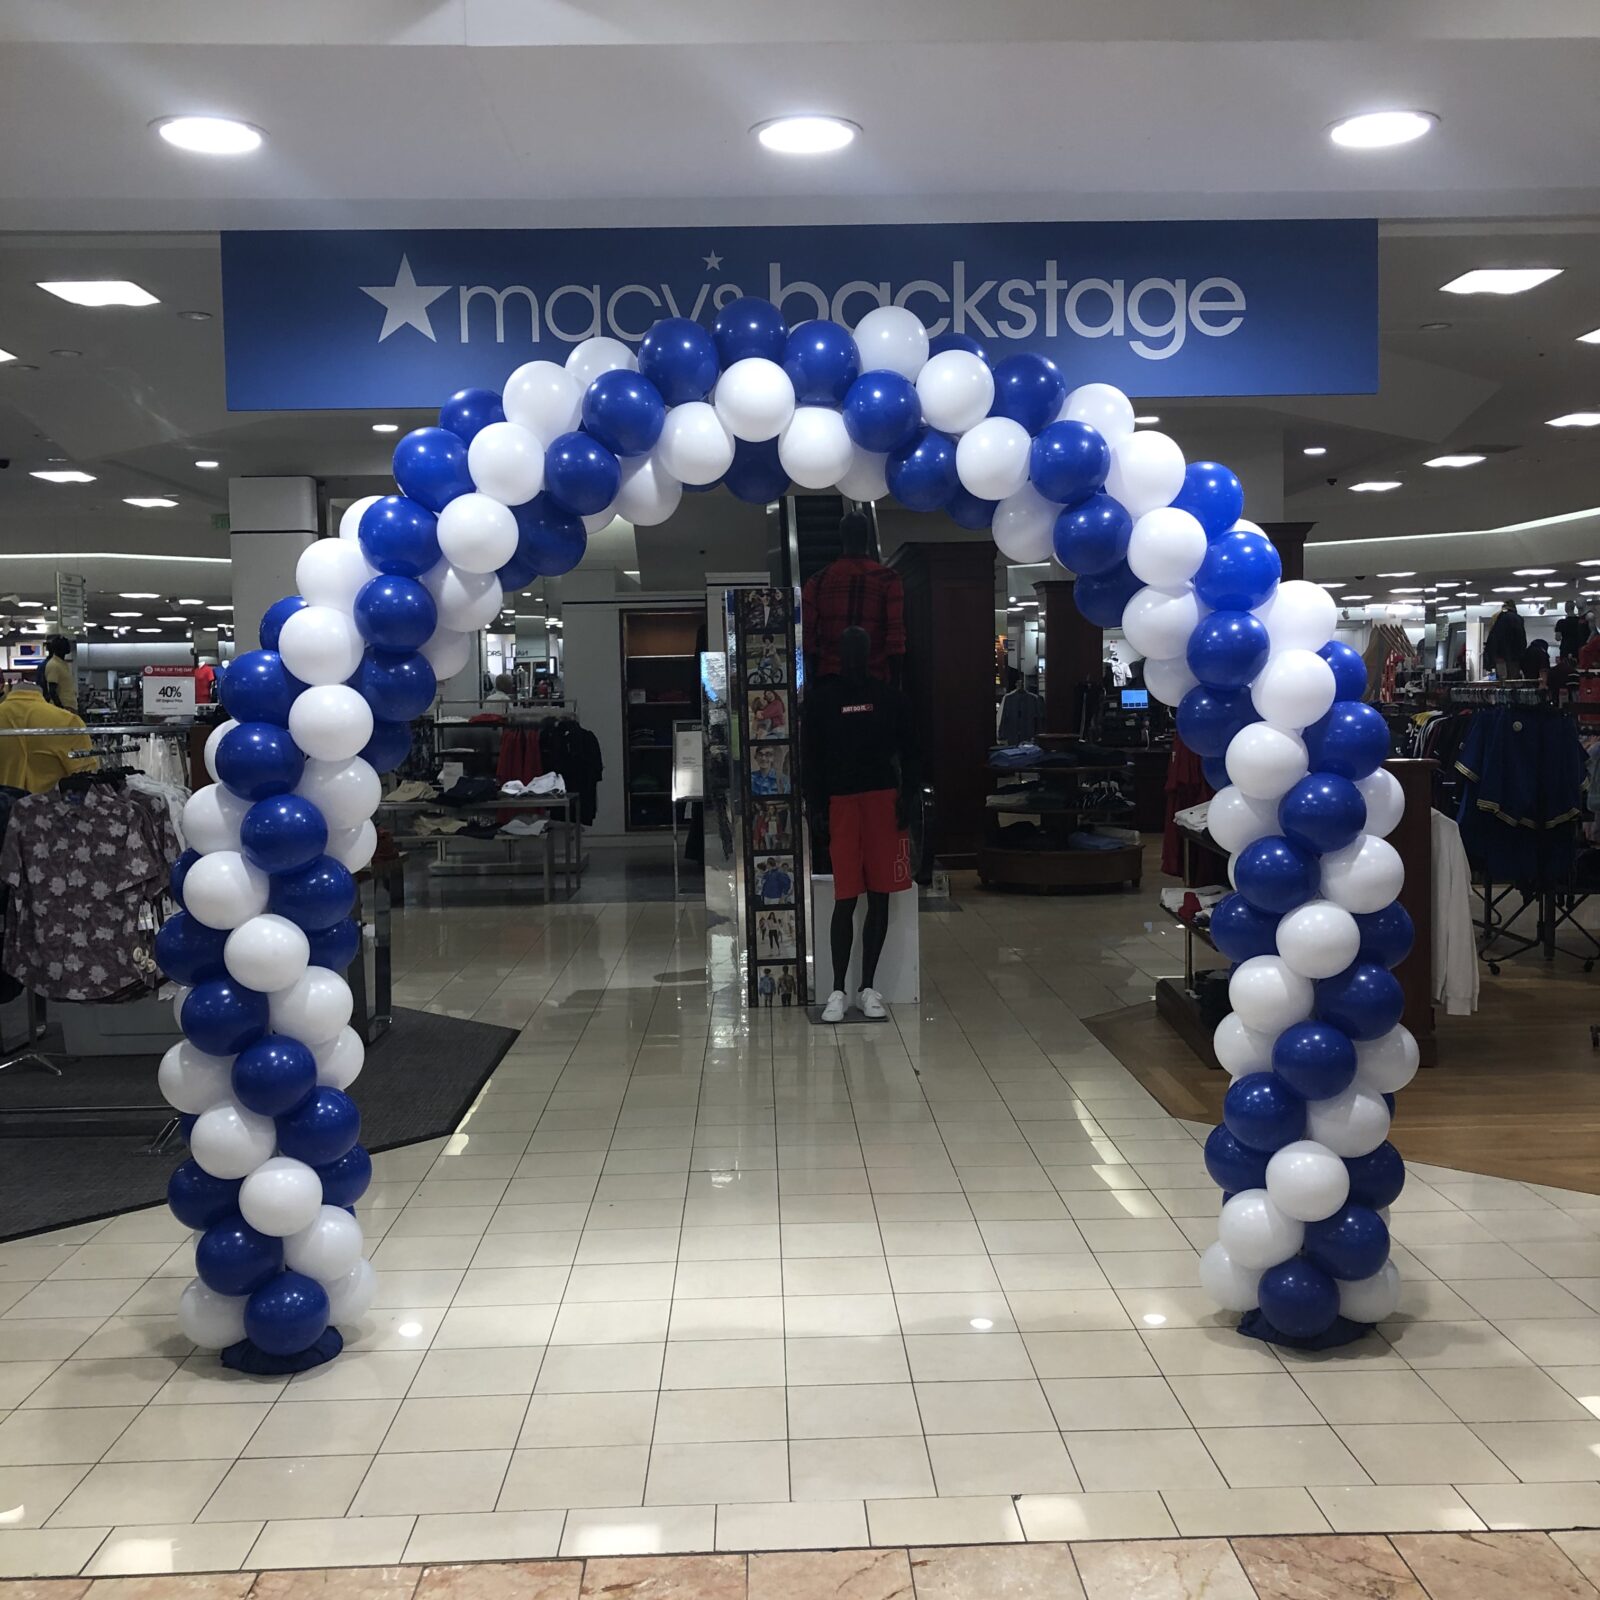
{"x":1573,"y":632}
{"x":857,"y":737}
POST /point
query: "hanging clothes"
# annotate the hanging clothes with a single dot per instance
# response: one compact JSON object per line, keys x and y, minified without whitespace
{"x":1387,"y":650}
{"x":1020,"y":717}
{"x":37,"y":763}
{"x":1455,"y":947}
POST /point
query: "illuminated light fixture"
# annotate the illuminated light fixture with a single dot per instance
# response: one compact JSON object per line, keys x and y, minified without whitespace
{"x":148,"y":502}
{"x":141,"y":594}
{"x":30,"y":602}
{"x":208,"y":466}
{"x":1375,"y":486}
{"x":386,"y":427}
{"x":1576,"y":419}
{"x":6,"y":355}
{"x":1555,"y":583}
{"x":1147,"y":422}
{"x":1397,"y":574}
{"x":209,"y":136}
{"x":1593,"y":561}
{"x":172,"y":619}
{"x":1410,"y":588}
{"x":1533,"y":572}
{"x":127,"y":613}
{"x":806,"y":135}
{"x":219,"y":608}
{"x":69,"y":475}
{"x":1346,"y":597}
{"x":1591,"y":337}
{"x":1512,"y":588}
{"x":147,"y":630}
{"x":1381,"y":130}
{"x":1500,"y":280}
{"x":1338,"y":585}
{"x":1466,"y":460}
{"x":1447,"y":583}
{"x":100,"y":292}
{"x":191,"y":602}
{"x":1315,"y":450}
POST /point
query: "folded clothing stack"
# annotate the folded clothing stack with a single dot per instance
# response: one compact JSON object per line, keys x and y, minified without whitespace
{"x":411,"y":790}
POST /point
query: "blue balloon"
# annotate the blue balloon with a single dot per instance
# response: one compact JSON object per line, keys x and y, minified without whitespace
{"x":275,"y":616}
{"x":1353,"y":1243}
{"x":1298,"y":1298}
{"x":395,"y":613}
{"x":1352,"y":740}
{"x":1239,"y":930}
{"x":1239,"y":571}
{"x":1386,"y":936}
{"x":1029,"y":389}
{"x":1322,"y":812}
{"x":680,"y":359}
{"x":550,"y":539}
{"x":822,"y":362}
{"x":1212,"y":495}
{"x":283,"y":833}
{"x":1365,"y":1000}
{"x":233,"y":1258}
{"x":1228,"y":648}
{"x":287,"y":1315}
{"x":397,"y":687}
{"x":1215,"y":771}
{"x":1209,"y":718}
{"x":922,"y":475}
{"x":223,"y":1017}
{"x":335,"y":948}
{"x":624,"y":411}
{"x":1314,"y":1059}
{"x":1376,"y":1178}
{"x":581,"y":474}
{"x":257,"y":687}
{"x":180,"y":871}
{"x":189,"y":952}
{"x":197,"y":1199}
{"x":1349,"y":670}
{"x":258,"y":760}
{"x":469,"y":411}
{"x":430,"y":465}
{"x":756,"y":475}
{"x":1091,"y":538}
{"x":1068,"y":462}
{"x":399,"y":535}
{"x":749,"y":327}
{"x":274,"y":1075}
{"x":1276,"y":875}
{"x":520,"y":570}
{"x":1234,"y":1166}
{"x":956,"y":341}
{"x":389,"y":745}
{"x":320,"y":1129}
{"x":966,"y":510}
{"x":1262,"y":1111}
{"x":346,"y":1179}
{"x":882,"y":412}
{"x":1101,"y":597}
{"x":314,"y":897}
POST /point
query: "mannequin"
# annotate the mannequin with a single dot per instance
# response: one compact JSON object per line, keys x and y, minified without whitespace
{"x":1573,"y":630}
{"x":856,"y":590}
{"x":859,"y":774}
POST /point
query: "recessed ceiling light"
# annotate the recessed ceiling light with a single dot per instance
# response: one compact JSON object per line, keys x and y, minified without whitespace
{"x":30,"y":602}
{"x":71,"y":475}
{"x":210,"y":136}
{"x":1555,"y":583}
{"x":147,"y":630}
{"x":63,"y":351}
{"x":1375,"y":486}
{"x":1593,"y":561}
{"x":1533,"y":572}
{"x":127,"y":613}
{"x":1433,"y":327}
{"x":1576,"y":419}
{"x":1397,"y":574}
{"x":172,"y":619}
{"x":1346,"y":597}
{"x":1512,"y":588}
{"x":100,"y":292}
{"x":6,"y":355}
{"x":194,"y":316}
{"x":191,"y":602}
{"x":148,"y":502}
{"x":1409,"y":588}
{"x":219,"y":608}
{"x":1500,"y":280}
{"x":1447,"y":583}
{"x":1378,"y":130}
{"x":1315,"y":450}
{"x":1147,"y":422}
{"x":386,"y":427}
{"x":1466,"y":460}
{"x":806,"y":136}
{"x":142,"y":594}
{"x":207,"y":466}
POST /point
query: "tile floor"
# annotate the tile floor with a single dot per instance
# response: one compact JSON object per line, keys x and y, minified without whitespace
{"x":692,"y":1279}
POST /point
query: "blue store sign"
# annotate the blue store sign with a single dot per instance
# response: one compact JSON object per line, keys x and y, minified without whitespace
{"x":401,"y":319}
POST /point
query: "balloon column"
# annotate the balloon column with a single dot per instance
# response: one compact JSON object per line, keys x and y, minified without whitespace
{"x":506,"y":489}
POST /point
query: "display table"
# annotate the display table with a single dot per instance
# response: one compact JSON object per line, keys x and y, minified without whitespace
{"x":1058,"y":801}
{"x":562,"y":809}
{"x":899,"y":968}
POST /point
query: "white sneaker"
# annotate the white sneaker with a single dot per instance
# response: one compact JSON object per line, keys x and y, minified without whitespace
{"x":834,"y":1010}
{"x":872,"y":1005}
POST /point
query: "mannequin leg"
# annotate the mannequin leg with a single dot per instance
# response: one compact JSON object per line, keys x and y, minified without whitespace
{"x":841,"y":934}
{"x":873,"y":933}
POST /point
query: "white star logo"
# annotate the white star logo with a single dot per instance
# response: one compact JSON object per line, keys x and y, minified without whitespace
{"x":405,"y":305}
{"x":713,"y":262}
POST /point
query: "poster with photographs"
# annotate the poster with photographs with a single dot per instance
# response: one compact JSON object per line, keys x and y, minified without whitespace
{"x":770,"y":770}
{"x":769,"y":714}
{"x":776,"y":986}
{"x":771,"y":827}
{"x":775,"y":936}
{"x":775,"y":880}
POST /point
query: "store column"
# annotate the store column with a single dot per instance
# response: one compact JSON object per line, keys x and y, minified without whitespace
{"x":1290,"y":540}
{"x":1073,"y":648}
{"x":272,"y":522}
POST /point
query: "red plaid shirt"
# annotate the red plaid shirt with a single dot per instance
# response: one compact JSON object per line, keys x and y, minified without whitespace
{"x":853,"y":592}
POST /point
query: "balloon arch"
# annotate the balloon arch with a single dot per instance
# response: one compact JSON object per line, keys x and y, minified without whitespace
{"x":505,"y":490}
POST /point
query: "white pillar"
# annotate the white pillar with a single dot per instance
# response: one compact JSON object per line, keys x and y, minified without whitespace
{"x":272,"y":521}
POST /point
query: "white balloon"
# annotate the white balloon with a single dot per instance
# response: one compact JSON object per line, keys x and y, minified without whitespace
{"x":1234,"y":819}
{"x":1166,"y":547}
{"x":1024,"y":527}
{"x":467,"y":601}
{"x":211,"y":1320}
{"x":1240,"y":1049}
{"x":180,"y":993}
{"x":191,"y":1081}
{"x":222,"y":890}
{"x":478,"y":533}
{"x":321,"y":644}
{"x":1294,"y":689}
{"x":694,"y":447}
{"x":1146,"y":471}
{"x":350,"y":522}
{"x":1233,"y":1287}
{"x":1266,"y":762}
{"x":350,"y":1297}
{"x":814,"y":448}
{"x":596,"y":520}
{"x":227,"y":1141}
{"x":281,"y":1197}
{"x":345,"y":792}
{"x":1298,"y":616}
{"x":353,"y":848}
{"x":313,"y":1009}
{"x":448,"y":652}
{"x":330,"y":722}
{"x":1106,"y":409}
{"x":1318,"y":939}
{"x":211,"y":817}
{"x":1386,"y":801}
{"x":1307,"y":1181}
{"x":339,"y":1059}
{"x":956,"y":389}
{"x":327,"y":1248}
{"x":867,"y":476}
{"x":506,"y":461}
{"x":648,"y":493}
{"x":1255,"y":1233}
{"x":332,"y":572}
{"x":992,"y":458}
{"x":586,"y":361}
{"x":1168,"y":678}
{"x":544,"y":398}
{"x":1352,"y":1123}
{"x":1363,"y":877}
{"x":266,"y":953}
{"x":215,"y":738}
{"x":1385,"y":1065}
{"x":892,"y":339}
{"x":1373,"y":1299}
{"x":754,"y":399}
{"x":1268,"y":996}
{"x":1158,"y":622}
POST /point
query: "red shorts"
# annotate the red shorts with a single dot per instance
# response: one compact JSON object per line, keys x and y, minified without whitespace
{"x":870,"y":850}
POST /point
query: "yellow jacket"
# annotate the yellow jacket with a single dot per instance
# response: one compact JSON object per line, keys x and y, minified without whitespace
{"x":37,"y":764}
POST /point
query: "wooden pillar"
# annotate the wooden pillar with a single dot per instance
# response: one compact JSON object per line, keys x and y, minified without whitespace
{"x":1414,"y":840}
{"x":1290,"y":539}
{"x":1073,"y":649}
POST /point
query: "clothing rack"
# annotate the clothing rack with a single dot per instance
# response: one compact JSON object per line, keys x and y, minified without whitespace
{"x":1514,"y":692}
